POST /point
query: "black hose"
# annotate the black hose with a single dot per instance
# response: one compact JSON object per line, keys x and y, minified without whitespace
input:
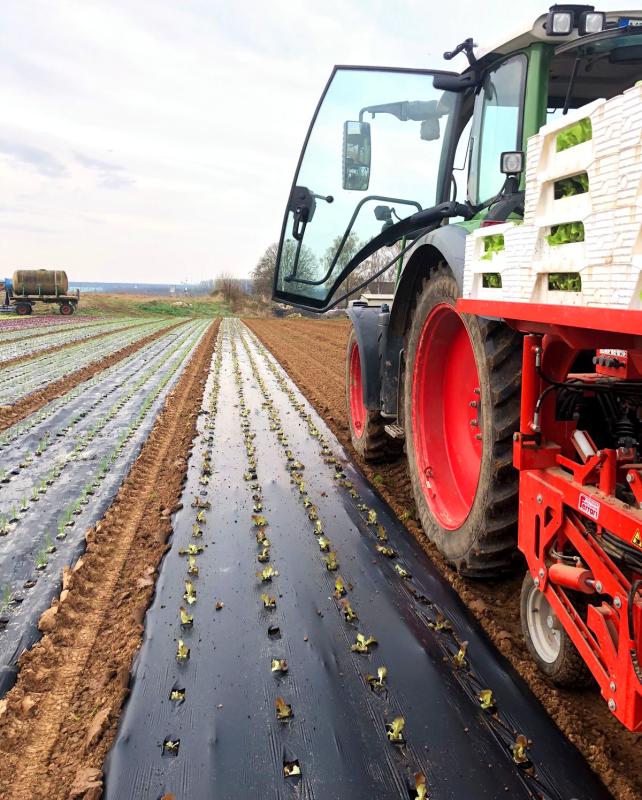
{"x":633,"y":652}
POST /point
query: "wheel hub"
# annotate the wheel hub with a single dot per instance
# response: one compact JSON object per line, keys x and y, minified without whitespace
{"x":543,"y":626}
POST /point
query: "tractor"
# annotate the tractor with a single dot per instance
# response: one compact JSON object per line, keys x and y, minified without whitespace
{"x":521,"y":421}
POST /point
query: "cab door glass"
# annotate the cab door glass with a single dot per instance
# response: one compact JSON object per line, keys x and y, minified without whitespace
{"x":373,"y":157}
{"x":497,"y":126}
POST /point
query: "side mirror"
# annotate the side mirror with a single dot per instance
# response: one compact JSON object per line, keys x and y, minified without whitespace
{"x":356,"y":155}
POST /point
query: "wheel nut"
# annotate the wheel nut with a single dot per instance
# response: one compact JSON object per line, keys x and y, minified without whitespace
{"x":474,"y":423}
{"x":539,"y":498}
{"x":612,"y":686}
{"x":612,"y":705}
{"x":473,"y":404}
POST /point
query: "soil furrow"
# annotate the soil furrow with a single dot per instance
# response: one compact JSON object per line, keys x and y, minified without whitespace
{"x":58,"y":721}
{"x":11,"y":414}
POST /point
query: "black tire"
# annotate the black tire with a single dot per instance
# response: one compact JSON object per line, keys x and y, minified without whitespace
{"x":373,"y":444}
{"x":484,"y":545}
{"x":23,"y":309}
{"x":66,"y":309}
{"x":568,"y":669}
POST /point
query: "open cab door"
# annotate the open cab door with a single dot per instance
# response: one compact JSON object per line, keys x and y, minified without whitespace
{"x":378,"y":155}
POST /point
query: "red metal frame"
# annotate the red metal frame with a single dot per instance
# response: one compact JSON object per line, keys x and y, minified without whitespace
{"x":568,"y":505}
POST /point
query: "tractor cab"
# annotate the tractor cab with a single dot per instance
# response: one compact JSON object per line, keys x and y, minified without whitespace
{"x":392,"y":155}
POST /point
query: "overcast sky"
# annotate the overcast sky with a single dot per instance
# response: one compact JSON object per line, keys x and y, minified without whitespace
{"x":155,"y":140}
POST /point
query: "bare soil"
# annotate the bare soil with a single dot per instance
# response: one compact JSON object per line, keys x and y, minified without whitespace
{"x":10,"y":414}
{"x":58,"y":722}
{"x":313,"y":352}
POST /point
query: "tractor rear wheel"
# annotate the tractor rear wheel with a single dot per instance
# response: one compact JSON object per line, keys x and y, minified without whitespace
{"x":548,"y":642}
{"x":369,"y":438}
{"x":461,"y":408}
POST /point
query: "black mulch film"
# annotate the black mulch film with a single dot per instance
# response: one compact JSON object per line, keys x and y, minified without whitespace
{"x":301,"y":645}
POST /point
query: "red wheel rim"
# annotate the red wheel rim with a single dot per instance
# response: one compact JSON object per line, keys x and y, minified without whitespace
{"x":21,"y":310}
{"x":357,"y":408}
{"x":65,"y":310}
{"x":446,"y":423}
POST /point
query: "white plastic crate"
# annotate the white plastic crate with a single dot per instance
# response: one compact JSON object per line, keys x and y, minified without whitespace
{"x":609,"y":260}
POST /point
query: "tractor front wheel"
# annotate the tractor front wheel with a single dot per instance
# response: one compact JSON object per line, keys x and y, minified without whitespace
{"x":369,"y":438}
{"x":461,"y":408}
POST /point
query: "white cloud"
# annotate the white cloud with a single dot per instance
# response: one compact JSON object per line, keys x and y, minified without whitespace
{"x":155,"y":140}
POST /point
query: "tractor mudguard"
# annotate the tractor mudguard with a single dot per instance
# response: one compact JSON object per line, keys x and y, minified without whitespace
{"x":447,"y":243}
{"x":365,"y":323}
{"x":380,"y":353}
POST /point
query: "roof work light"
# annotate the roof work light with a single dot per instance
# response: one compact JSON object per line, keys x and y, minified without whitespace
{"x":559,"y":21}
{"x":591,"y":22}
{"x":562,"y":20}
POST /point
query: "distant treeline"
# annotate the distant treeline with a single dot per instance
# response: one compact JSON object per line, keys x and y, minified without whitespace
{"x":202,"y":288}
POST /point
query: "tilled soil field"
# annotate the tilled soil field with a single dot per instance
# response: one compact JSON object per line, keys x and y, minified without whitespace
{"x":313,"y":353}
{"x":58,"y":721}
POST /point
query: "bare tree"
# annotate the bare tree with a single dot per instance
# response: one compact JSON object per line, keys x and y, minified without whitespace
{"x":263,"y":274}
{"x":227,"y":285}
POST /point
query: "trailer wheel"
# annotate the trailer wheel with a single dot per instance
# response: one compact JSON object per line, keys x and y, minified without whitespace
{"x":23,"y":309}
{"x":369,"y":438}
{"x":548,"y":642}
{"x":66,"y":309}
{"x":461,"y":408}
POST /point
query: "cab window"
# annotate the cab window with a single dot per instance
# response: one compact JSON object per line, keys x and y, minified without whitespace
{"x":497,"y":126}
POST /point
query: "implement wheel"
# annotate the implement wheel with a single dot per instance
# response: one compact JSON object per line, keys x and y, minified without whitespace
{"x":66,"y":309}
{"x":369,"y":438}
{"x":548,"y":642}
{"x":23,"y":309}
{"x":461,"y":408}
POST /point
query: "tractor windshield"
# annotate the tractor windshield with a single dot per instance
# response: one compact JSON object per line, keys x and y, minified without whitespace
{"x":375,"y":154}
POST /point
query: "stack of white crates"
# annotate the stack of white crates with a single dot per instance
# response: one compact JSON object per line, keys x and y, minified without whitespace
{"x":609,"y":260}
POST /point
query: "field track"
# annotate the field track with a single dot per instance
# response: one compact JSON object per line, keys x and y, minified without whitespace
{"x":313,"y":353}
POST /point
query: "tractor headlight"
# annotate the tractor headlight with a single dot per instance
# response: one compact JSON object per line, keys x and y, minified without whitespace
{"x":591,"y":22}
{"x":559,"y":23}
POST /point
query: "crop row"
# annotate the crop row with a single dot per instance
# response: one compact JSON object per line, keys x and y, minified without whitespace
{"x":26,"y":334}
{"x":90,"y":394}
{"x":191,"y":553}
{"x":35,"y":344}
{"x":22,"y":324}
{"x":19,"y":380}
{"x":97,"y":464}
{"x":74,"y":445}
{"x":454,"y":649}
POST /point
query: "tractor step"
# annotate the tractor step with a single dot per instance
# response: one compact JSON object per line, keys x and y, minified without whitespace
{"x":395,"y":431}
